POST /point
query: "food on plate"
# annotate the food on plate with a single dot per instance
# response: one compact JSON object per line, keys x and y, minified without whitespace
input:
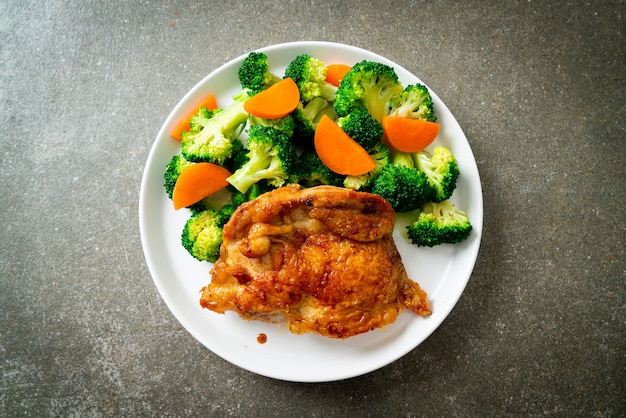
{"x":439,"y":223}
{"x":414,"y":102}
{"x":277,"y":101}
{"x":322,"y":259}
{"x":408,"y":134}
{"x":214,"y":134}
{"x":402,"y":184}
{"x":197,"y":182}
{"x":368,"y":85}
{"x":329,"y":124}
{"x":208,"y":103}
{"x":271,"y":157}
{"x":441,"y":169}
{"x":254,"y":73}
{"x":310,"y":76}
{"x":339,"y":152}
{"x":336,"y":72}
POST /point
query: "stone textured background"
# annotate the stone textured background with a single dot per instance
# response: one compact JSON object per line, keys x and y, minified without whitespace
{"x":538,"y":87}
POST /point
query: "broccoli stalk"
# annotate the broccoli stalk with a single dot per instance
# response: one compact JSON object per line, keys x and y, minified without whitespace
{"x":402,"y":158}
{"x":310,"y":75}
{"x":369,"y":85}
{"x":271,"y":155}
{"x":414,"y":102}
{"x":254,"y":73}
{"x":442,"y":171}
{"x":439,"y":223}
{"x":213,"y":136}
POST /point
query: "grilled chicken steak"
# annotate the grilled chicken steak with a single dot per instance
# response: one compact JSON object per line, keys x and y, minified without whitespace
{"x":321,"y":258}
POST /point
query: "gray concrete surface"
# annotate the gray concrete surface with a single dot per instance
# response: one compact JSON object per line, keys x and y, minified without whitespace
{"x":538,"y":87}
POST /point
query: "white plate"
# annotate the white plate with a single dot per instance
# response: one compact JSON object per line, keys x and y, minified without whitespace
{"x":443,"y":271}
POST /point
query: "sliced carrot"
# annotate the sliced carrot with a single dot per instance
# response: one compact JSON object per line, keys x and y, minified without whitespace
{"x":275,"y":102}
{"x":209,"y":102}
{"x":336,"y":72}
{"x":197,"y":182}
{"x":339,"y":152}
{"x":408,"y":134}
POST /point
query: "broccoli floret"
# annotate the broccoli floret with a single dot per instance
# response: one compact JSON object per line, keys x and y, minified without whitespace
{"x":310,"y":171}
{"x":307,"y":117}
{"x":442,"y":171}
{"x":213,"y":139}
{"x":254,"y":73}
{"x":405,"y":188}
{"x":202,"y":235}
{"x":272,"y":156}
{"x":369,"y":85}
{"x":200,"y":119}
{"x":285,"y":124}
{"x":362,"y":127}
{"x":439,"y":223}
{"x":173,"y":169}
{"x":414,"y":102}
{"x":310,"y":75}
{"x":381,"y":155}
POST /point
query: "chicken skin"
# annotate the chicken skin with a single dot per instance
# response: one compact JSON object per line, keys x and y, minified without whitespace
{"x":323,"y":259}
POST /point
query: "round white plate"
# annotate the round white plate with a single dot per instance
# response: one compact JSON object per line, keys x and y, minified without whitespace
{"x":442,"y":271}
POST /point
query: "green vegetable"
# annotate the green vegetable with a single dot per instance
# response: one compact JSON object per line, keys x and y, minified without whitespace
{"x":213,"y":135}
{"x":310,"y":75}
{"x":254,"y":73}
{"x":442,"y":171}
{"x":173,"y":169}
{"x":271,"y":155}
{"x":414,"y":102}
{"x":439,"y":223}
{"x":310,"y":171}
{"x":406,"y":188}
{"x":362,"y":127}
{"x":307,"y":116}
{"x":368,"y":85}
{"x":202,"y":235}
{"x":285,"y":124}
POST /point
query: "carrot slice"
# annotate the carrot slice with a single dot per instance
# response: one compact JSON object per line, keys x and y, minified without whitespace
{"x":339,"y":152}
{"x":408,"y":134}
{"x":209,"y":102}
{"x":197,"y":182}
{"x":275,"y":102}
{"x":335,"y":72}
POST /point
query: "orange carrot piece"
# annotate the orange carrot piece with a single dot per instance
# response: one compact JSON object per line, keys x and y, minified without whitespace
{"x":275,"y":102}
{"x":408,"y":134}
{"x":339,"y":152}
{"x":197,"y":182}
{"x":209,"y":102}
{"x":335,"y":72}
